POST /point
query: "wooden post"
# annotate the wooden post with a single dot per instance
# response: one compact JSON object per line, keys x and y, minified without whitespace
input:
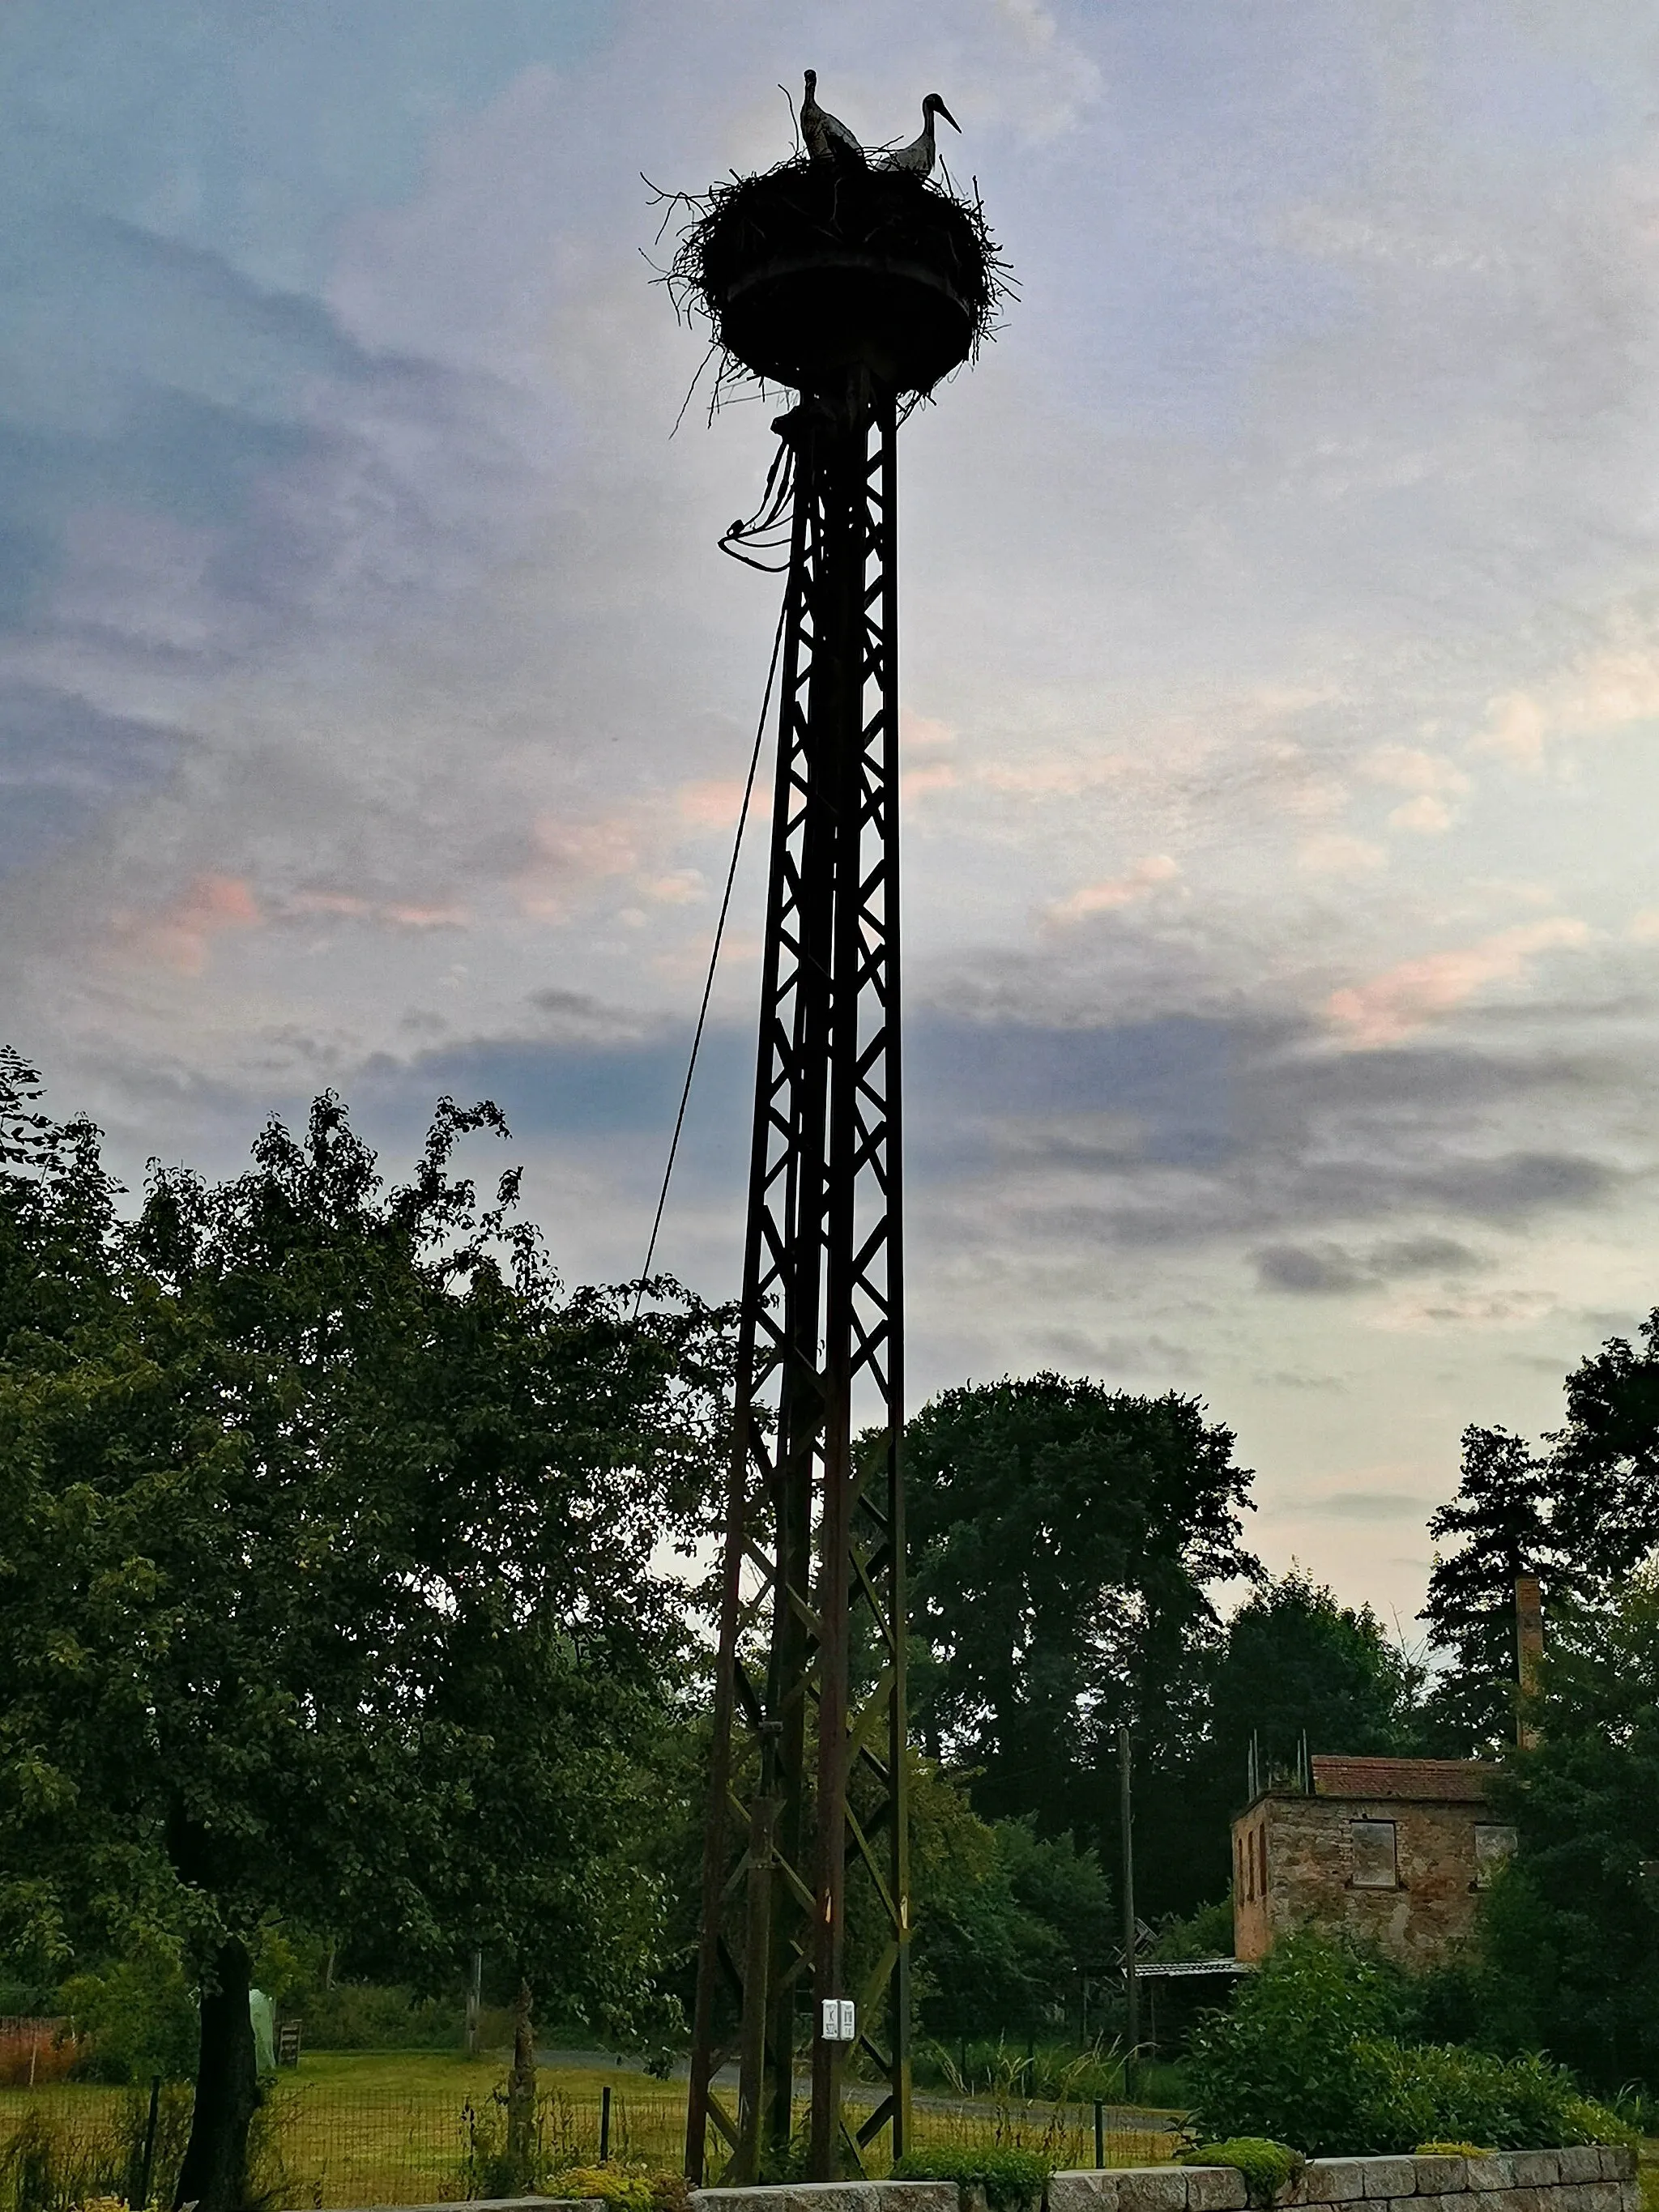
{"x":1528,"y":1654}
{"x":1131,"y":1983}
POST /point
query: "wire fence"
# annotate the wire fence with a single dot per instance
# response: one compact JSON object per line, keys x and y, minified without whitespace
{"x":324,"y":2144}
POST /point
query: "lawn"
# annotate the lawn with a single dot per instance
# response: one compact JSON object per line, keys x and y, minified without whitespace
{"x":387,"y":2128}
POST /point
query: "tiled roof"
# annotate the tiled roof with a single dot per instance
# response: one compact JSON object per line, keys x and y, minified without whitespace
{"x":1433,"y":1781}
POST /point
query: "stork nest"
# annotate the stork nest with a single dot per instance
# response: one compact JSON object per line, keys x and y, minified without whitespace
{"x":813,"y":224}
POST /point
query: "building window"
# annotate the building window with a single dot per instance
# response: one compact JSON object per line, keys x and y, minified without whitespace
{"x":1492,"y":1845}
{"x":1375,"y":1864}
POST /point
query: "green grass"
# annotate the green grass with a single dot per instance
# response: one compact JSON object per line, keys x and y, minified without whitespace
{"x":374,"y":2127}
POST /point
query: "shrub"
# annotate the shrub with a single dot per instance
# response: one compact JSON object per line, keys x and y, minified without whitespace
{"x":1305,"y":2056}
{"x":138,"y":2017}
{"x":1011,"y":2180}
{"x":1268,"y":2167}
{"x":363,"y":2016}
{"x":616,"y":2185}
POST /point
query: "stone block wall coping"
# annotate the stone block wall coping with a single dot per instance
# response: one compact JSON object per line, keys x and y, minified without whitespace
{"x":1587,"y":2177}
{"x":498,"y":2205}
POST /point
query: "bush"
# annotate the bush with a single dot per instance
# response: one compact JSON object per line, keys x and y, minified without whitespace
{"x":1268,"y":2167}
{"x":612,"y":2184}
{"x":628,"y":2188}
{"x":1308,"y":2054}
{"x":1012,"y":2180}
{"x":364,"y":2016}
{"x":138,"y":2016}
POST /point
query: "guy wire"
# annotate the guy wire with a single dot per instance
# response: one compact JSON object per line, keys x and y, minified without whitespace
{"x":715,"y":953}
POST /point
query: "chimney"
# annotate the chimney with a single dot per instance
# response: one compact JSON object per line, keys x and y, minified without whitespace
{"x":1528,"y":1651}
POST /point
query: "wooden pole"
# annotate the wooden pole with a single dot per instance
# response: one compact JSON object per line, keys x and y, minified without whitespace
{"x":1131,"y":1983}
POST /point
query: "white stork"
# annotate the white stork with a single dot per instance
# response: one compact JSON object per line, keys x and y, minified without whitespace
{"x":917,"y":159}
{"x":828,"y":138}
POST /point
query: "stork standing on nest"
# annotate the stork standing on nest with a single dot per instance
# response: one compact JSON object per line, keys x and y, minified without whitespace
{"x":917,"y":159}
{"x":828,"y":138}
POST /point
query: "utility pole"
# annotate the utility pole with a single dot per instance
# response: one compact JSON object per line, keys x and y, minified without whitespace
{"x":1131,"y":1980}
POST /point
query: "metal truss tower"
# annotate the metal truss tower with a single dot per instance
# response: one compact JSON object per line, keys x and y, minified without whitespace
{"x":860,"y":287}
{"x":808,"y":1812}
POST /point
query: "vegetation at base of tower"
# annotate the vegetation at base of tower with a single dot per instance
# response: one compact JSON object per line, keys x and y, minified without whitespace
{"x":1012,"y":2180}
{"x":1317,"y":2050}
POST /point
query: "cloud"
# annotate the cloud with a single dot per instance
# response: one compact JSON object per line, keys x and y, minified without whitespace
{"x":1328,"y":1271}
{"x":1408,"y":997}
{"x":1307,"y":1272}
{"x":1107,"y":897}
{"x":1408,"y":768}
{"x":181,"y":935}
{"x":1608,"y":686}
{"x":1366,"y":1505}
{"x":1429,"y":816}
{"x":1333,"y":853}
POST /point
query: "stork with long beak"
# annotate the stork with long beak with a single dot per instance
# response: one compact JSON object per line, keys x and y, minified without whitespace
{"x":828,"y":138}
{"x":917,"y":158}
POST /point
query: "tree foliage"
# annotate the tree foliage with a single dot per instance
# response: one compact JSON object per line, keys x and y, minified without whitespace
{"x":326,"y":1552}
{"x":1008,"y":1922}
{"x":1606,"y":1458}
{"x":1503,"y":1519}
{"x":1568,"y":1952}
{"x":1066,"y":1539}
{"x":1296,"y":1663}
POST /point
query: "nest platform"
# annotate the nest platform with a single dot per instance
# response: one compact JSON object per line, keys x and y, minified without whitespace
{"x":813,"y":271}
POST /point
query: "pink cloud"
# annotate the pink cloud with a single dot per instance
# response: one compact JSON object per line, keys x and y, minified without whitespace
{"x":932,"y":775}
{"x":575,"y":854}
{"x":402,"y":914}
{"x":181,"y":935}
{"x":1118,"y":891}
{"x":427,"y":917}
{"x":923,"y":733}
{"x":1405,"y":999}
{"x":715,"y":803}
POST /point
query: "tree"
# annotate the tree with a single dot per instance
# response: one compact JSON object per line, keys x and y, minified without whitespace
{"x":1064,"y":1539}
{"x":1505,"y":1514}
{"x":1008,"y":1922}
{"x":1568,"y":1941}
{"x":329,"y":1591}
{"x":1606,"y":1460}
{"x":1298,"y":1664}
{"x":1293,"y":1664}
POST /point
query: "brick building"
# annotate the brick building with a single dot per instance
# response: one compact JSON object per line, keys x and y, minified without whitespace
{"x":1394,"y":1852}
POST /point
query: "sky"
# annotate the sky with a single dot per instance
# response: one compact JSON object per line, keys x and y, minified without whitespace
{"x":1280,"y":661}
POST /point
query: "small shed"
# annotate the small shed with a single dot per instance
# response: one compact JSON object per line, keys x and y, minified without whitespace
{"x":1394,"y":1852}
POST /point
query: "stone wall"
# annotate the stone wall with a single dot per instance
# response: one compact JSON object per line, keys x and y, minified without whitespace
{"x":1590,"y":2178}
